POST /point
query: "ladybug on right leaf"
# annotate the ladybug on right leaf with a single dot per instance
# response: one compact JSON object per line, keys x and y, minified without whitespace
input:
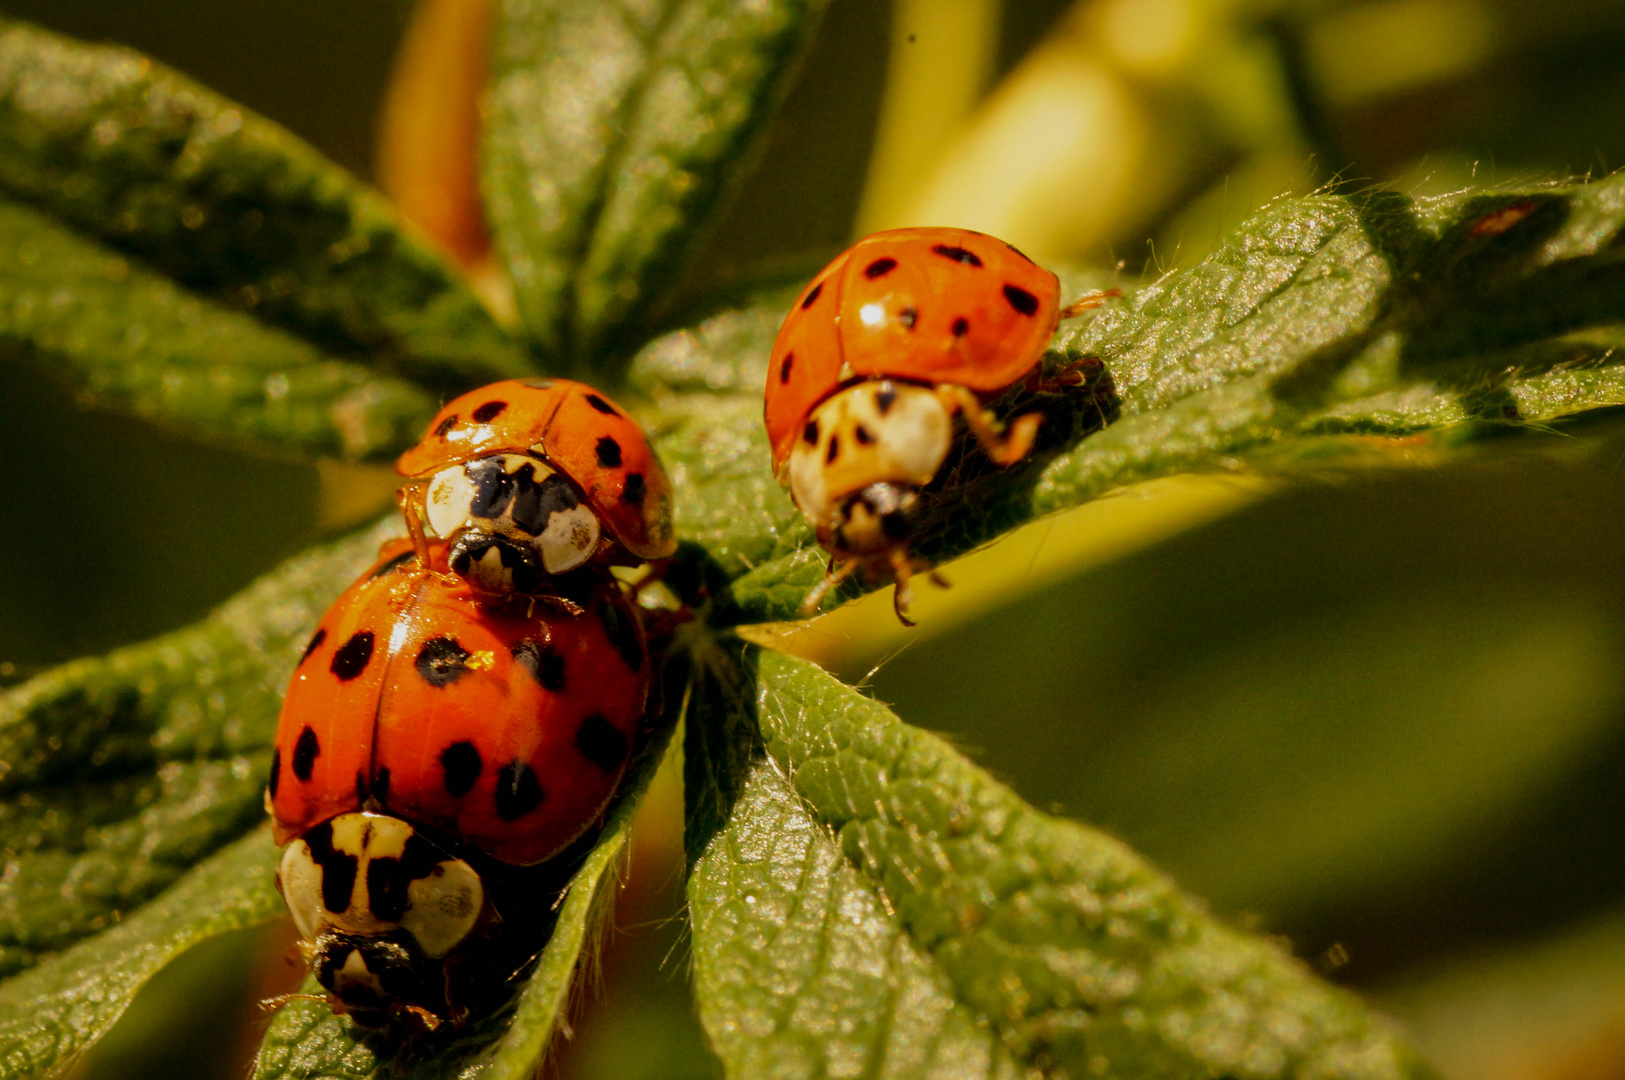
{"x":904,"y":331}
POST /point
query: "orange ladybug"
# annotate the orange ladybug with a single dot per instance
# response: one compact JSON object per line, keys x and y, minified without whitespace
{"x":533,"y":478}
{"x":425,"y":741}
{"x":904,"y":331}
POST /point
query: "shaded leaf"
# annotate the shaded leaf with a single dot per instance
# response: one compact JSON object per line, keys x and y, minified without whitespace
{"x":231,"y":205}
{"x":1000,"y":939}
{"x":51,"y":1013}
{"x":119,"y":772}
{"x":129,"y":338}
{"x":616,"y":132}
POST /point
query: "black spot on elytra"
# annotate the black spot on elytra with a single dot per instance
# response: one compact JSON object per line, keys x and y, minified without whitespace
{"x":461,"y":763}
{"x":601,"y":743}
{"x":957,"y":254}
{"x":1020,"y":299}
{"x":635,"y":490}
{"x":623,"y":634}
{"x":812,"y":296}
{"x":488,"y":412}
{"x":863,"y":436}
{"x":380,"y":783}
{"x":350,"y":659}
{"x":885,"y":399}
{"x":880,"y":267}
{"x":961,"y":326}
{"x":316,"y":640}
{"x":545,"y":663}
{"x":784,"y":367}
{"x":909,"y":316}
{"x":441,"y":661}
{"x":832,"y":451}
{"x":601,"y":405}
{"x":609,"y":453}
{"x":518,"y":792}
{"x":388,"y":878}
{"x":362,"y":788}
{"x":394,"y":564}
{"x":445,"y":426}
{"x":276,"y":771}
{"x":810,"y":433}
{"x":305,"y":752}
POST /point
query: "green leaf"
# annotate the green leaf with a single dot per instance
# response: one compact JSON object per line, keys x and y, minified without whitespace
{"x":1320,"y":319}
{"x":127,"y":337}
{"x":119,"y":773}
{"x":232,"y":206}
{"x":867,"y":901}
{"x":51,"y":1013}
{"x":307,"y":1039}
{"x":616,"y":133}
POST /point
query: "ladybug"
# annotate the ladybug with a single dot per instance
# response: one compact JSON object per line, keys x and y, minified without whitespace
{"x":533,"y":478}
{"x":904,"y":331}
{"x":429,"y":748}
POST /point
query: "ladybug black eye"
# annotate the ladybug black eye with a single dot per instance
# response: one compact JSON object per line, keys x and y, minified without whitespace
{"x":810,"y":433}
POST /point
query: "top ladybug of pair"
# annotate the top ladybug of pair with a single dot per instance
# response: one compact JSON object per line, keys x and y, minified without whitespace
{"x":532,"y":480}
{"x":904,"y":331}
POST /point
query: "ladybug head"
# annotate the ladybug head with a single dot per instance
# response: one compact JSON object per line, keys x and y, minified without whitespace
{"x":539,"y":515}
{"x":380,"y":906}
{"x":371,"y":977}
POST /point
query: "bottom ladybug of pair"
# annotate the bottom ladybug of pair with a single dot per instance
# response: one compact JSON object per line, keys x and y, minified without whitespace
{"x":439,"y":764}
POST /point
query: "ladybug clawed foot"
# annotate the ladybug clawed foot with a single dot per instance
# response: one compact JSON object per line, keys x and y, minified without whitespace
{"x":903,"y":567}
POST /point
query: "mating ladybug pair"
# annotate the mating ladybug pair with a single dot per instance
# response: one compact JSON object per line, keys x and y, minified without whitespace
{"x":466,"y":711}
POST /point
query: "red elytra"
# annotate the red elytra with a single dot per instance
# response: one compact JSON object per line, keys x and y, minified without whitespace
{"x":506,"y":731}
{"x":935,"y":305}
{"x":580,"y":431}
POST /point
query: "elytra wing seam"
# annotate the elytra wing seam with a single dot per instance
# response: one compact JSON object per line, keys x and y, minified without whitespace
{"x":392,"y":649}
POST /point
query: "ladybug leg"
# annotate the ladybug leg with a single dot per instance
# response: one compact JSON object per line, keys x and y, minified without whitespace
{"x":558,"y":603}
{"x":417,"y":1012}
{"x":1005,"y":448}
{"x":272,"y":1004}
{"x":1089,"y":300}
{"x":1073,"y":374}
{"x":904,"y":568}
{"x":832,"y":578}
{"x":409,"y":497}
